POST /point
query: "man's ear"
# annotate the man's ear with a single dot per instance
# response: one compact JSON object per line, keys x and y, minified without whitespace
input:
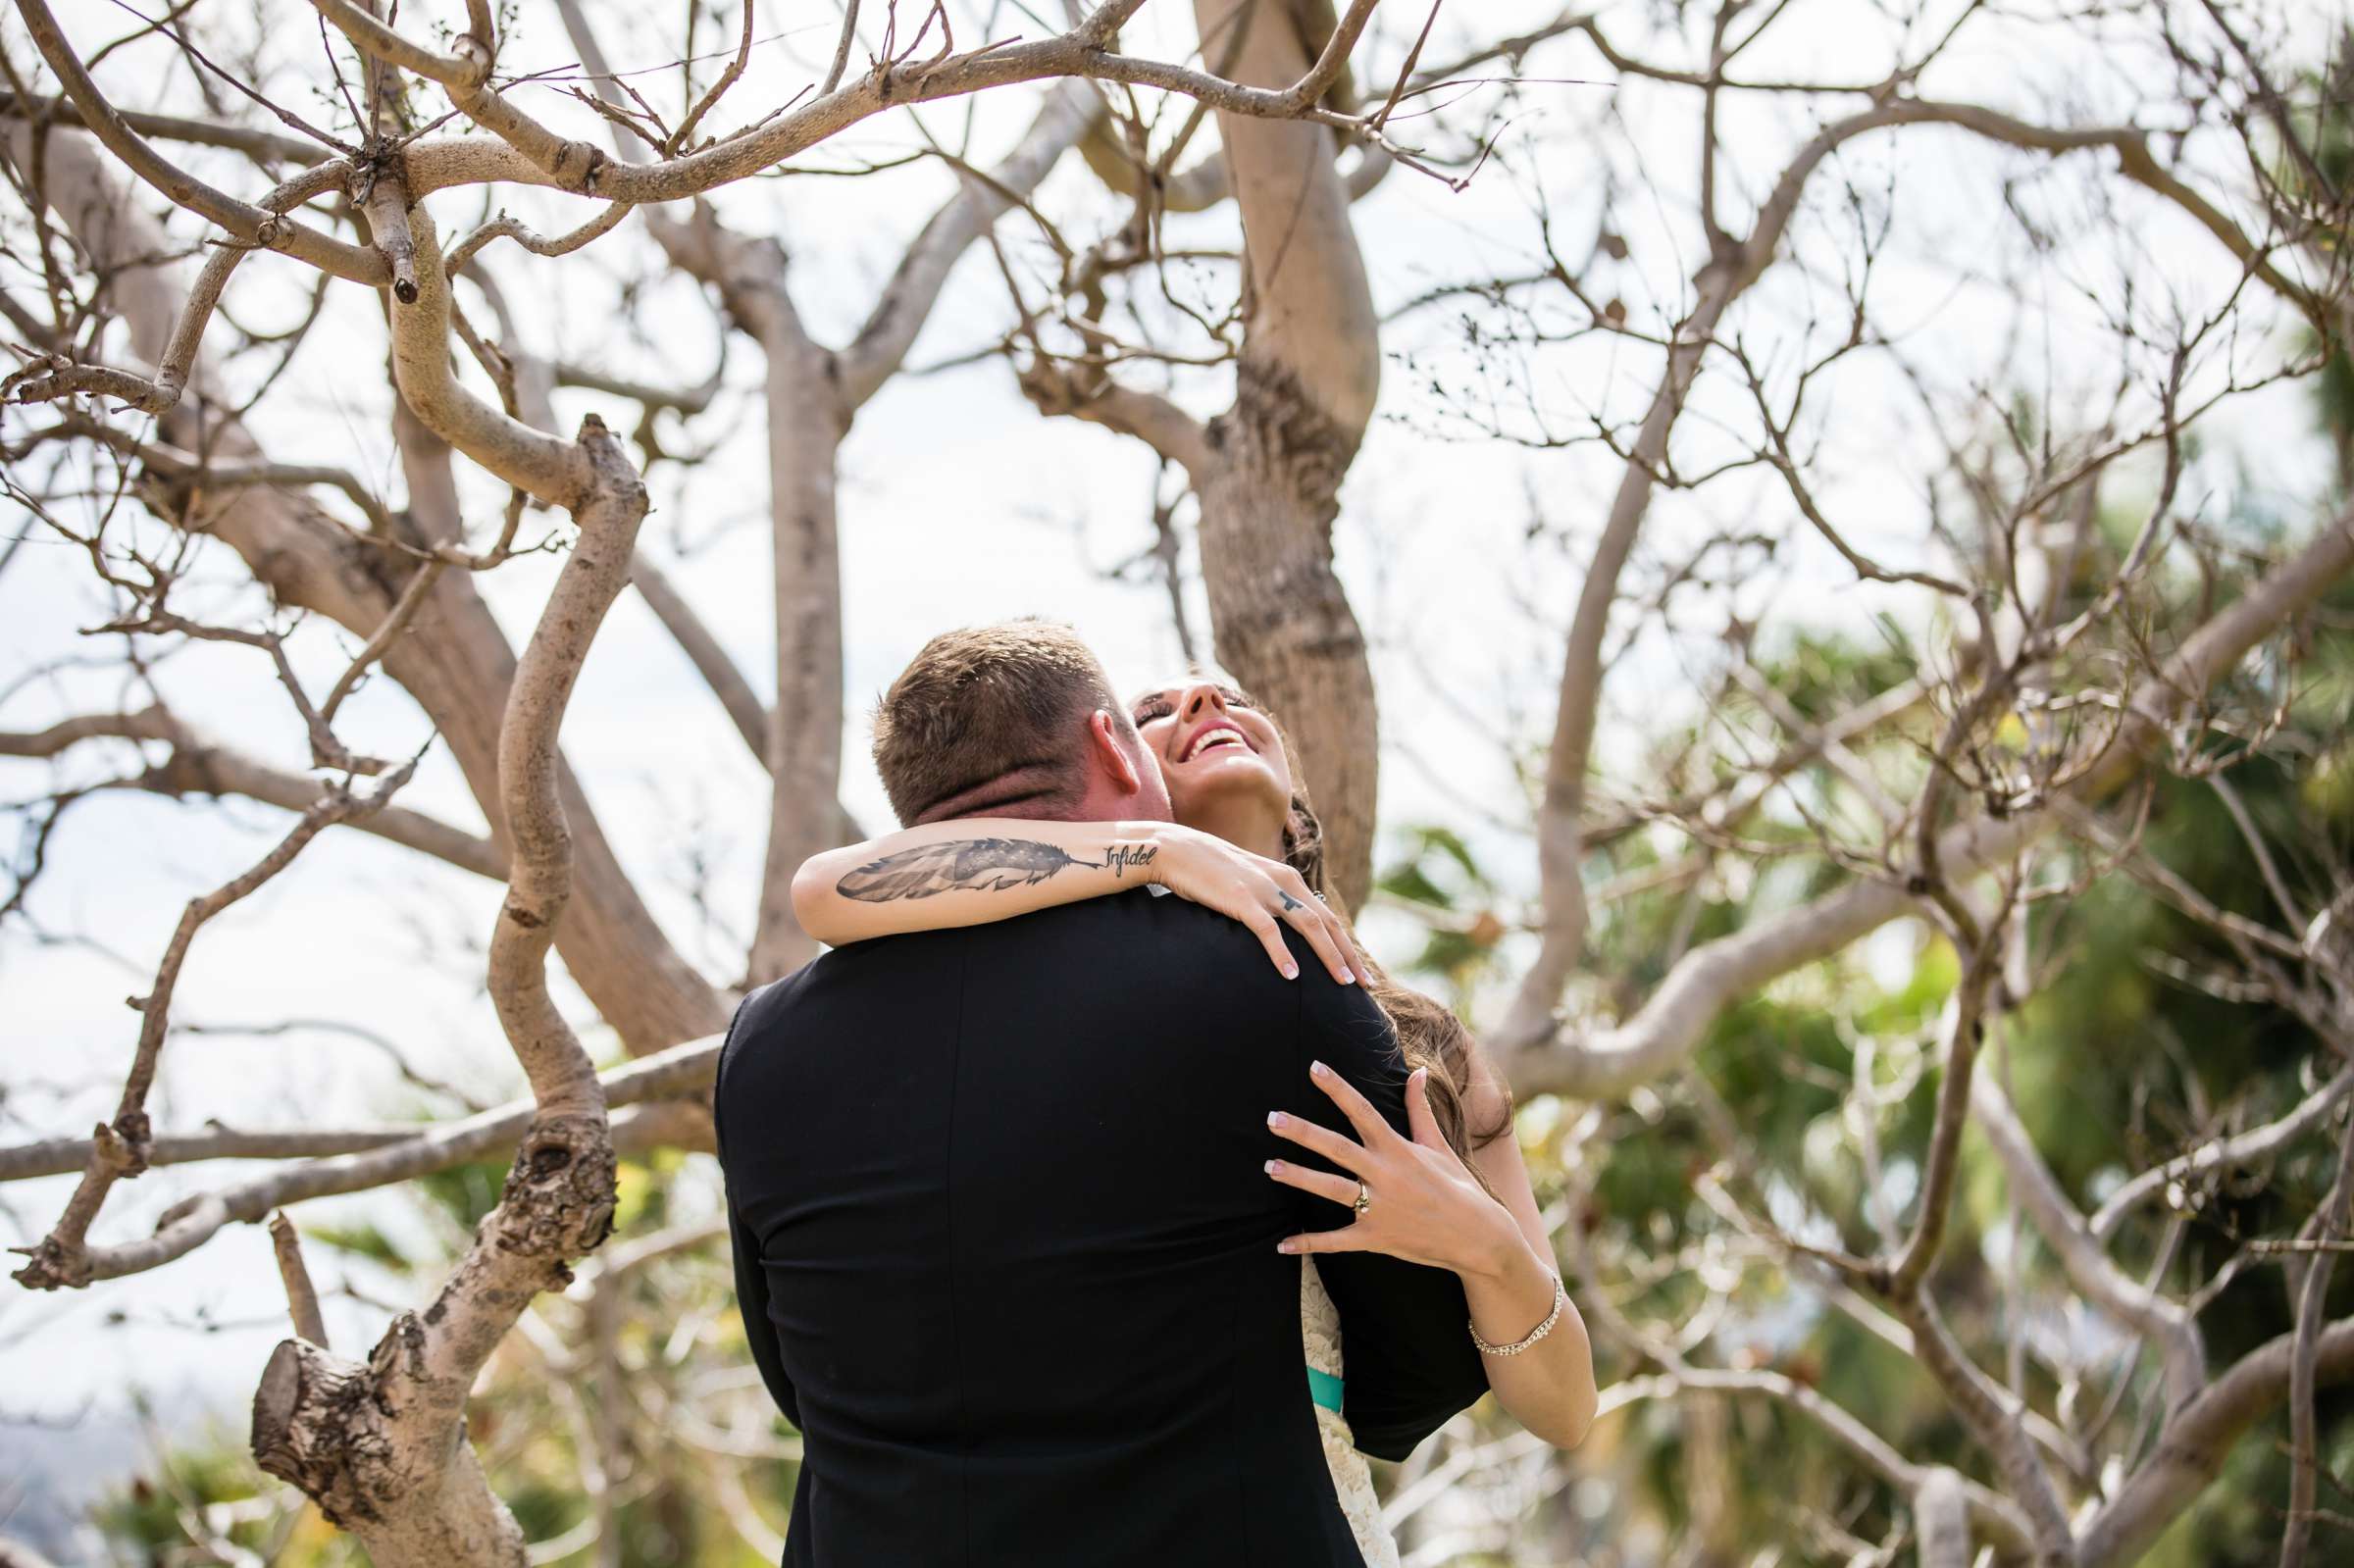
{"x":1105,"y":740}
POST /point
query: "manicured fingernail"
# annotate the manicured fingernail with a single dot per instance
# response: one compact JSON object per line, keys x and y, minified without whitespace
{"x":1347,"y":977}
{"x":1276,"y":1118}
{"x":1319,"y":1069}
{"x":1287,"y":1246}
{"x":1273,"y":1166}
{"x":1291,"y":971}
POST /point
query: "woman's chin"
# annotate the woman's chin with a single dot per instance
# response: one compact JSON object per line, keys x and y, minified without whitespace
{"x":1217,"y":787}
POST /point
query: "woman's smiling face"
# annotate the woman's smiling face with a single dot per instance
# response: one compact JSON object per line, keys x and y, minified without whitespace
{"x":1218,"y":752}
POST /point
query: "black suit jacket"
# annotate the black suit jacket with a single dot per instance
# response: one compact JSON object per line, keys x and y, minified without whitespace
{"x":1006,"y":1249}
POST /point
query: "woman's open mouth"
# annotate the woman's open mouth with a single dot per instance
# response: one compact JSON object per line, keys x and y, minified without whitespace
{"x":1212,"y":739}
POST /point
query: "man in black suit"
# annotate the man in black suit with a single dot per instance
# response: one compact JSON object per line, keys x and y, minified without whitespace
{"x":1004,"y":1245}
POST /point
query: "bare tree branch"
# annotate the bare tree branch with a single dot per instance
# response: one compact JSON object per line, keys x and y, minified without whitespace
{"x":2304,"y":1457}
{"x":2079,"y":1250}
{"x":118,"y":1148}
{"x":1670,"y":1025}
{"x":302,"y":1298}
{"x":2191,"y":1447}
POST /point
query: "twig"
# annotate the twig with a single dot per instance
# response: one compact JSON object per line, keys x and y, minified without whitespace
{"x":2329,"y":1224}
{"x":302,"y":1300}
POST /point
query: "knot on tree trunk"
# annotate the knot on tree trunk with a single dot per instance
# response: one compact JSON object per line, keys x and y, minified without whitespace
{"x":380,"y":1456}
{"x":559,"y":1201}
{"x":1268,"y":514}
{"x":318,"y":1424}
{"x":1283,"y":622}
{"x":136,"y":1132}
{"x":1277,"y":432}
{"x":381,"y":1448}
{"x":60,"y":1260}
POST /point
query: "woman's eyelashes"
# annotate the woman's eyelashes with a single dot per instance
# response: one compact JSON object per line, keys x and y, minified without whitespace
{"x":1152,"y":708}
{"x":1162,"y":707}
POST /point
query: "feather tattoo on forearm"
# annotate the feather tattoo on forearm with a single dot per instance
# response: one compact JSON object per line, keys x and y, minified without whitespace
{"x":976,"y":865}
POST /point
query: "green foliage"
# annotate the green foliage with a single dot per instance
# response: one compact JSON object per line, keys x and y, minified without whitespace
{"x":467,"y":1193}
{"x":203,"y":1492}
{"x":2131,"y":1045}
{"x":1440,"y":876}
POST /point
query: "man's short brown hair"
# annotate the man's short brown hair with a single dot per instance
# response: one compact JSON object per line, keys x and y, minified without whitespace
{"x":991,"y":720}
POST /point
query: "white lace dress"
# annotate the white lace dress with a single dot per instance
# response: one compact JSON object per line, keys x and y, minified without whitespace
{"x":1320,"y":1335}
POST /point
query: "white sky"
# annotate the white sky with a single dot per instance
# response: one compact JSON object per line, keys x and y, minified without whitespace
{"x":959,"y":504}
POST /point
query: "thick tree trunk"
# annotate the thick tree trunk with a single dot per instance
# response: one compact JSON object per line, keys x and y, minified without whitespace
{"x":1282,"y":622}
{"x":1310,"y":370}
{"x":808,"y":415}
{"x":807,"y":420}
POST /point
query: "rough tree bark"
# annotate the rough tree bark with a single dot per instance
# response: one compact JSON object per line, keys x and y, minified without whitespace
{"x":1268,"y":474}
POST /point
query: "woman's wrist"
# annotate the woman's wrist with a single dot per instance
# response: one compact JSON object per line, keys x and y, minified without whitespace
{"x":1138,"y":851}
{"x":1514,"y":1294}
{"x":1162,"y":851}
{"x":1500,"y":1254}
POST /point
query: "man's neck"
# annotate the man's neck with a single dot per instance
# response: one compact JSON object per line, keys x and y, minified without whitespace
{"x":1026,"y":792}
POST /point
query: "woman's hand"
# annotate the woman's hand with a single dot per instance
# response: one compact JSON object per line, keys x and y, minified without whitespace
{"x":1263,"y":895}
{"x":1424,"y":1206}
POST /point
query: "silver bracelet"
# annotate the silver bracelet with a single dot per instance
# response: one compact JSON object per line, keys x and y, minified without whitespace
{"x":1561,"y":1299}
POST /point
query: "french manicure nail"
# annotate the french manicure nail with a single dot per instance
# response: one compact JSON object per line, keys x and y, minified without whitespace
{"x":1291,"y":971}
{"x":1273,"y":1166}
{"x":1319,"y":1069}
{"x":1274,"y":1118}
{"x":1286,"y":1246}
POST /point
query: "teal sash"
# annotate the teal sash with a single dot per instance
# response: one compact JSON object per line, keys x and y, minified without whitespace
{"x":1326,"y":1389}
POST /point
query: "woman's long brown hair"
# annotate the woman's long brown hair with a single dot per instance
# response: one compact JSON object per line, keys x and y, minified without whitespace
{"x":1429,"y":1035}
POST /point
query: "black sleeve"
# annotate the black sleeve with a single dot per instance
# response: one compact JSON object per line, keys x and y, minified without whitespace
{"x":1408,"y":1358}
{"x":751,"y":1280}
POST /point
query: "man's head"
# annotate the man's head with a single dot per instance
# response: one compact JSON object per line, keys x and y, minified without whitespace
{"x":1014,"y":720}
